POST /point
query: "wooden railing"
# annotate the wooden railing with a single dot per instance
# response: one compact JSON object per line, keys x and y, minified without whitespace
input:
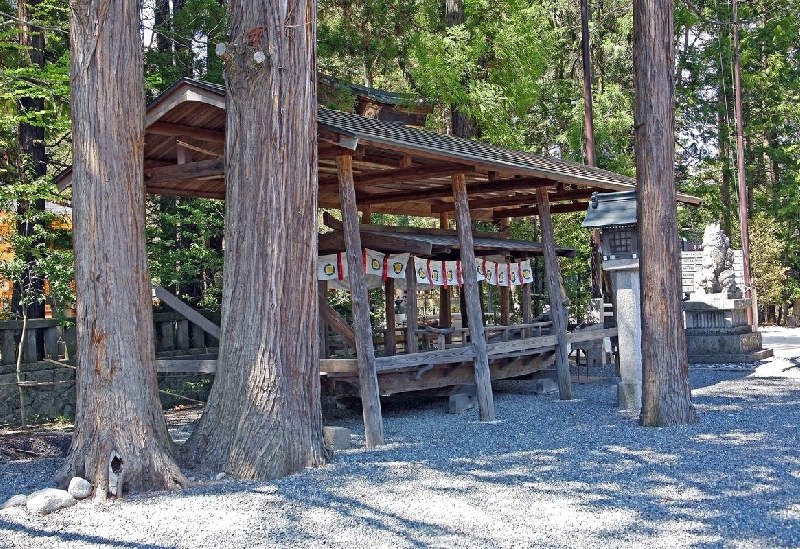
{"x":47,"y":338}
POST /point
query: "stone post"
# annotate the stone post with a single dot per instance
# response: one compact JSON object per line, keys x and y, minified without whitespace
{"x":625,"y":281}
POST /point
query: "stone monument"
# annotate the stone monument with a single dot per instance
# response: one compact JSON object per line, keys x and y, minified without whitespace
{"x":717,"y":329}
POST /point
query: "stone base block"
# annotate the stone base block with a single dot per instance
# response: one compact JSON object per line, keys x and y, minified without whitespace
{"x":629,"y":395}
{"x":337,"y":438}
{"x":460,"y":402}
{"x":740,"y":358}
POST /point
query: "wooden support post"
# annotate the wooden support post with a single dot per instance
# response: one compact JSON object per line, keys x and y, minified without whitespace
{"x":445,"y":316}
{"x":558,"y":310}
{"x":388,"y":339}
{"x":505,"y":291}
{"x":322,"y":327}
{"x":367,"y":377}
{"x":412,"y":313}
{"x":182,"y":334}
{"x":527,"y":315}
{"x":468,"y":271}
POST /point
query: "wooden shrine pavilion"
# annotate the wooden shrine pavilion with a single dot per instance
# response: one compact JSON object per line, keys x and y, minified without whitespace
{"x":379,"y":166}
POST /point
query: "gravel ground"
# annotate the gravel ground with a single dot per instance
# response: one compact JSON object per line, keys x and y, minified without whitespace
{"x":550,"y":473}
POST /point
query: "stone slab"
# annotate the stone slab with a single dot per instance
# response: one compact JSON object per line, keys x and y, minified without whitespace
{"x":337,"y":438}
{"x":744,"y":358}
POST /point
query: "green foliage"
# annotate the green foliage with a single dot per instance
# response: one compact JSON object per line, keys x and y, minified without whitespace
{"x":769,"y":271}
{"x":185,"y":247}
{"x":34,"y":257}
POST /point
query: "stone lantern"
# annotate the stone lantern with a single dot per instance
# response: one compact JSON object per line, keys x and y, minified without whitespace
{"x":615,"y":215}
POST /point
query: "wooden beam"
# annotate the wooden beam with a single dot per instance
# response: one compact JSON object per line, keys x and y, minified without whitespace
{"x":338,"y":366}
{"x":170,"y":191}
{"x":182,"y":172}
{"x":534,"y":210}
{"x":186,"y":366}
{"x":191,"y":315}
{"x":389,"y":341}
{"x":181,"y":130}
{"x":334,"y":223}
{"x":195,"y":148}
{"x":368,"y":380}
{"x":501,"y":185}
{"x":333,"y":242}
{"x":400,"y":175}
{"x":469,"y":273}
{"x":558,"y":307}
{"x":322,"y":325}
{"x":519,"y":200}
{"x":411,"y":307}
{"x":337,"y":322}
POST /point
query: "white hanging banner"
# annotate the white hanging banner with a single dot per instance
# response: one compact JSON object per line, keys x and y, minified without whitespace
{"x":396,"y":265}
{"x":502,"y":270}
{"x":421,"y":269}
{"x":435,"y":273}
{"x":527,"y":272}
{"x":490,"y":272}
{"x":332,"y":267}
{"x":373,"y":263}
{"x":453,"y":275}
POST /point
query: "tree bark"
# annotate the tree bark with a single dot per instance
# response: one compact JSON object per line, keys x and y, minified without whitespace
{"x":666,"y":397}
{"x":263,"y":418}
{"x":118,"y":409}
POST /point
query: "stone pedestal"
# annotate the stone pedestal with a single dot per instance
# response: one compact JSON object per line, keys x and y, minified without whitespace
{"x":625,"y":282}
{"x":717,"y":331}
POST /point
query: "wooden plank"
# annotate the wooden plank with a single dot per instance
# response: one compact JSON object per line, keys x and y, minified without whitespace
{"x":531,"y":210}
{"x":411,"y":173}
{"x":334,"y":223}
{"x":461,"y":373}
{"x":368,"y":380}
{"x":558,"y":310}
{"x":337,"y":322}
{"x":505,"y":347}
{"x":201,"y":134}
{"x":443,"y":356}
{"x":338,"y":365}
{"x":191,"y":315}
{"x":590,"y":335}
{"x":183,"y":366}
{"x":497,"y":186}
{"x":181,"y":172}
{"x":470,"y":288}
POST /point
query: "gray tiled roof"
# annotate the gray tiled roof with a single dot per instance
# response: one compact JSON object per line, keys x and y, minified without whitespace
{"x":611,"y":209}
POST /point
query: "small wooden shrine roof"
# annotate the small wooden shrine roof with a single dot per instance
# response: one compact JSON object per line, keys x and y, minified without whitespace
{"x":611,"y":210}
{"x":397,"y":169}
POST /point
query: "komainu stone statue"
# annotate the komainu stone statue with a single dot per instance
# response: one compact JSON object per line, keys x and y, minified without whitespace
{"x":716,"y":275}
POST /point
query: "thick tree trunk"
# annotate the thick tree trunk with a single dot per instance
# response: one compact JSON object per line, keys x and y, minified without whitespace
{"x":31,"y":164}
{"x":263,"y":418}
{"x":666,"y":398}
{"x":118,"y":411}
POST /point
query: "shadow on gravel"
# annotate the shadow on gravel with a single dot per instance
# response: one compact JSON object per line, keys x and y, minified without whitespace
{"x":45,"y":536}
{"x":732,"y":478}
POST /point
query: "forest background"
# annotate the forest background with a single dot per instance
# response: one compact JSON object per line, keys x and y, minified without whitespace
{"x":513,"y":68}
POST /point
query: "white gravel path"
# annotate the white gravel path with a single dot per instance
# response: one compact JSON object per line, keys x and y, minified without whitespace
{"x":548,"y":474}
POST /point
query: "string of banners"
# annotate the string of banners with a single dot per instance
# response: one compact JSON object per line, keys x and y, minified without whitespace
{"x":379,"y":267}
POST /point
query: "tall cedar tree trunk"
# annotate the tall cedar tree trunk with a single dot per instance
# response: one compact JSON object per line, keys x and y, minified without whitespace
{"x":31,"y":159}
{"x":463,"y":124}
{"x":118,"y":409}
{"x":666,"y":397}
{"x":263,"y":418}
